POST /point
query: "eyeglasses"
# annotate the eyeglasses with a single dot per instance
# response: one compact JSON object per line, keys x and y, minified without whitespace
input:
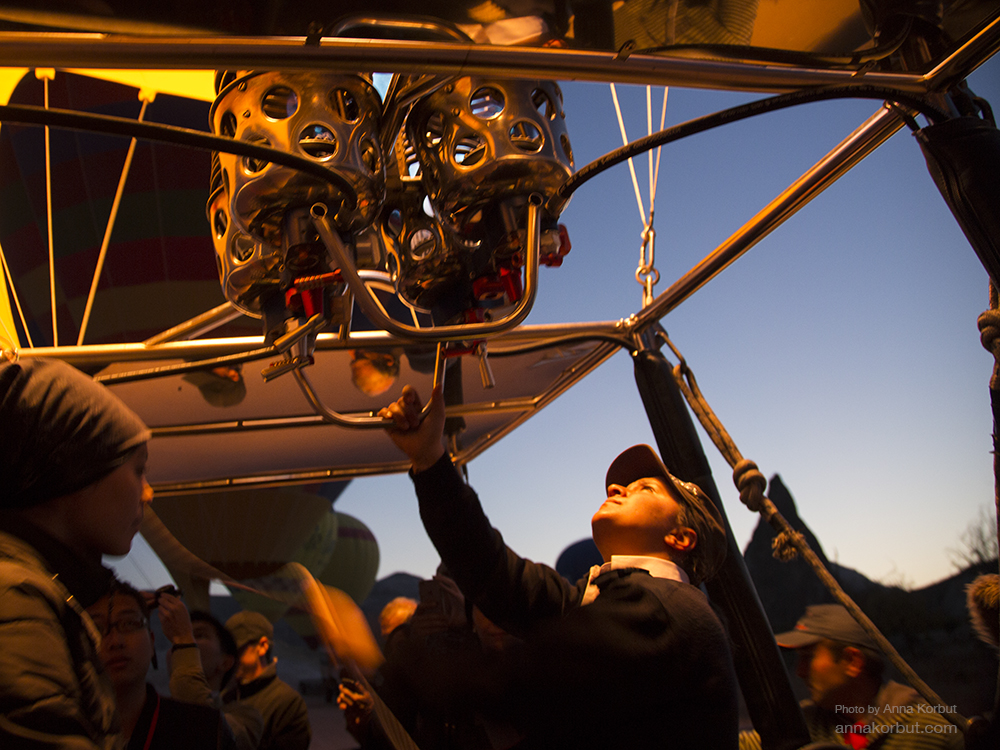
{"x":124,"y":625}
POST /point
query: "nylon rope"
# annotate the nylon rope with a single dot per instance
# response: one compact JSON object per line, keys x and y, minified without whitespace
{"x":17,"y":303}
{"x":989,"y":335}
{"x":46,"y":76}
{"x":789,"y":543}
{"x":147,"y":97}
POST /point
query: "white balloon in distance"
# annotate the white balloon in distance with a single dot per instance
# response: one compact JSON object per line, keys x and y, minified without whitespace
{"x":313,"y":554}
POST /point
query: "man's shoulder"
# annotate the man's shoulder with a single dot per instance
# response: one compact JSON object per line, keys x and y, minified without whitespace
{"x":908,"y":721}
{"x":290,"y":693}
{"x":673,"y":595}
{"x":275,"y":692}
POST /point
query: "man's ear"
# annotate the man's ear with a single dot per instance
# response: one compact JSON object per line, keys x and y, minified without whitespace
{"x":228,"y":660}
{"x":855,"y":661}
{"x":682,"y":539}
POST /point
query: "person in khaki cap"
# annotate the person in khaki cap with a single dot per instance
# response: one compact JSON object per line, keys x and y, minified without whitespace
{"x":849,"y":702}
{"x":630,"y":657}
{"x":286,"y":719}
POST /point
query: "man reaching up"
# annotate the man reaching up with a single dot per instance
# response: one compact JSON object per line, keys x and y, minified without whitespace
{"x":633,"y":656}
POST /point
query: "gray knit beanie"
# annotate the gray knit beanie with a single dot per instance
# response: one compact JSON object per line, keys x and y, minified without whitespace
{"x":59,"y":431}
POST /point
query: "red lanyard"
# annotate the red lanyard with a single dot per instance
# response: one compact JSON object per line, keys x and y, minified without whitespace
{"x":857,"y":739}
{"x":152,"y":724}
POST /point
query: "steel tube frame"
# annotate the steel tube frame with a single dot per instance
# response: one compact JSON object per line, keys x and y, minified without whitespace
{"x":859,"y":144}
{"x":526,"y":406}
{"x":104,"y":354}
{"x":369,"y":419}
{"x":207,"y":321}
{"x":277,"y":479}
{"x":459,"y":59}
{"x":373,"y":309}
{"x":318,"y":420}
{"x":351,"y":55}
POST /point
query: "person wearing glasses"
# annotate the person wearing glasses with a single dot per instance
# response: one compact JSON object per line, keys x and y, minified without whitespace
{"x":73,"y":464}
{"x":148,"y":720}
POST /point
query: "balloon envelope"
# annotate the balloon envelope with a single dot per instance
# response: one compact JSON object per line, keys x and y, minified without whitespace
{"x":351,"y":568}
{"x":244,"y":533}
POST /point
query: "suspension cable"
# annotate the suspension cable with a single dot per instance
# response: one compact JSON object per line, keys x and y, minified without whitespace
{"x":631,"y":166}
{"x":751,"y":485}
{"x":645,"y":273}
{"x":147,"y":97}
{"x":17,"y":302}
{"x":734,"y":114}
{"x":47,"y":75}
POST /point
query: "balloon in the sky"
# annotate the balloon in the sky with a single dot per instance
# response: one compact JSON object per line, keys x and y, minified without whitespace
{"x":351,"y":568}
{"x":313,"y":554}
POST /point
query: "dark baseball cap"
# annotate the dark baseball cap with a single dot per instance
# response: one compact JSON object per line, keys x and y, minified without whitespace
{"x":642,"y":461}
{"x":249,"y":627}
{"x":826,"y":622}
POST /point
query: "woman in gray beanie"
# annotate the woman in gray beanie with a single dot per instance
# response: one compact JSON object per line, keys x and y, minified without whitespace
{"x":72,"y":488}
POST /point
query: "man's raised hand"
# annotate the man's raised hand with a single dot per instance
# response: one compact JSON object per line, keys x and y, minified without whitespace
{"x":420,"y":440}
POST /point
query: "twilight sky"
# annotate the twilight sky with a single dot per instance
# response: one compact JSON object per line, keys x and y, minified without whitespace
{"x":841,"y":352}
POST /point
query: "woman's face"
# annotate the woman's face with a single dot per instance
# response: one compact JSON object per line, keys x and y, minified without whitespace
{"x":108,"y":513}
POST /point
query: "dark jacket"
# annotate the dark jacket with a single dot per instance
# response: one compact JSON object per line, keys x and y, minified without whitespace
{"x":167,"y":724}
{"x":440,"y":684}
{"x":53,"y":693}
{"x":188,"y":684}
{"x":286,"y":719}
{"x":647,"y":664}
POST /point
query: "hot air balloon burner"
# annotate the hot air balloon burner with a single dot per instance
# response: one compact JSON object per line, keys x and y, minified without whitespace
{"x":259,"y":228}
{"x":482,"y":141}
{"x":483,"y":145}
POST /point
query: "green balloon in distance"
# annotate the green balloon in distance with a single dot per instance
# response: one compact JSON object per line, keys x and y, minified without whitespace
{"x":351,"y":568}
{"x":354,"y":564}
{"x":313,"y":554}
{"x":246,"y":533}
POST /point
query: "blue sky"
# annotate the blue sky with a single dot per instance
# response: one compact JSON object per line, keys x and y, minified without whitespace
{"x":841,"y":352}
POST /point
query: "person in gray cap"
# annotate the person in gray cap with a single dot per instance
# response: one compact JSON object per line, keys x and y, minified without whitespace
{"x":631,"y":656}
{"x":286,"y":719}
{"x":849,"y":702}
{"x":73,"y":462}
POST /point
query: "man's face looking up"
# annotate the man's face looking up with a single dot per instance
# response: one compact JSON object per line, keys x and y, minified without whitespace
{"x":637,"y":519}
